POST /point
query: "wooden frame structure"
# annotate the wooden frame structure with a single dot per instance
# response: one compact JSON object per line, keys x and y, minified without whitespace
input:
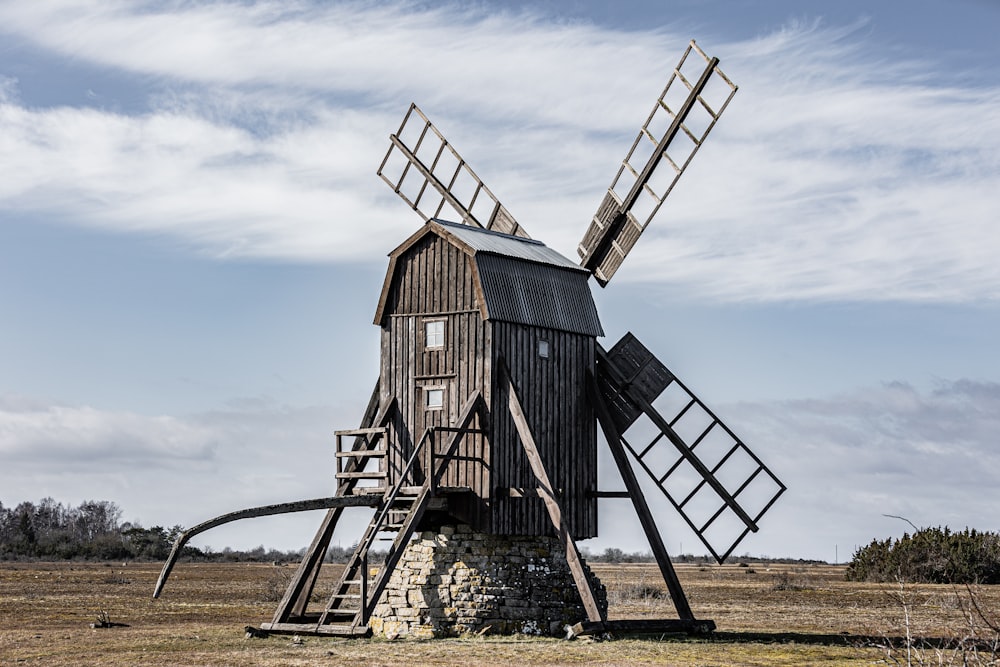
{"x":492,"y":384}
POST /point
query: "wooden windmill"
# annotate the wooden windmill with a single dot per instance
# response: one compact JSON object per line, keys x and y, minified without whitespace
{"x":492,"y":384}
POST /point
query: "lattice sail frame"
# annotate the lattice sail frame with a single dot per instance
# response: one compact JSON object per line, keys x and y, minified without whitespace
{"x":419,"y":156}
{"x":682,"y":118}
{"x":710,"y":476}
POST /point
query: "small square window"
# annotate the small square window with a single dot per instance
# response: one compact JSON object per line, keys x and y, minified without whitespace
{"x":434,"y":333}
{"x":543,"y":349}
{"x":435,"y":398}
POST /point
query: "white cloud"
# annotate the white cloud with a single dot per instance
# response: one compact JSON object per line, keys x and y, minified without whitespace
{"x":850,"y":459}
{"x":33,"y":432}
{"x":8,"y":88}
{"x":176,"y":469}
{"x":834,"y":176}
{"x":847,"y":461}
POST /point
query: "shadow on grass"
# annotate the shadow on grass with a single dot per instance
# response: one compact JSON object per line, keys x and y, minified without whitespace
{"x":839,"y":639}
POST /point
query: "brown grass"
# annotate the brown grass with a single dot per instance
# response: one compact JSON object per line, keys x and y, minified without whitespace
{"x":766,"y":615}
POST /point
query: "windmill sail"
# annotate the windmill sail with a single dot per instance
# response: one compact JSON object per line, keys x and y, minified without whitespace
{"x":687,"y":110}
{"x":419,"y":156}
{"x":708,"y":474}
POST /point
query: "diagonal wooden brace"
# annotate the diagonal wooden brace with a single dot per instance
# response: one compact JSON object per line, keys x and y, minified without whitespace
{"x":551,"y":503}
{"x":613,"y":438}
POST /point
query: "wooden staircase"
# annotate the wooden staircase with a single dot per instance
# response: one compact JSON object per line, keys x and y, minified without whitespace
{"x":356,"y":593}
{"x":399,"y":508}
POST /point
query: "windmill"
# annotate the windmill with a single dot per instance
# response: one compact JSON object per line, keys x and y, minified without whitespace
{"x":492,"y":385}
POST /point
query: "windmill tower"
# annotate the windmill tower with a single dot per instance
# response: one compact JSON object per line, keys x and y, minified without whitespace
{"x":481,"y":435}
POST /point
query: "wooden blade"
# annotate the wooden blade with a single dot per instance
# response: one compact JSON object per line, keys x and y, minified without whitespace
{"x":687,"y":110}
{"x":419,"y":156}
{"x":716,"y":483}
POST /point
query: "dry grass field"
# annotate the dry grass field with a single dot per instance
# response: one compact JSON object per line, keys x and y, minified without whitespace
{"x":766,"y":615}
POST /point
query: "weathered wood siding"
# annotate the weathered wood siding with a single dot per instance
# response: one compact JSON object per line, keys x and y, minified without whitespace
{"x":434,"y":281}
{"x":553,"y":392}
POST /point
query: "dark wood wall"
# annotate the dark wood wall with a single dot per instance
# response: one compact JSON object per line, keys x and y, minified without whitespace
{"x":434,"y":280}
{"x":553,"y":393}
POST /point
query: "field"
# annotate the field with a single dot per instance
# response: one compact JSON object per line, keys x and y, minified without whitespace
{"x":766,"y":615}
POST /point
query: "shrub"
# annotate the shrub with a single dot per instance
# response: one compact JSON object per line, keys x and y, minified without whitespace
{"x":930,"y":555}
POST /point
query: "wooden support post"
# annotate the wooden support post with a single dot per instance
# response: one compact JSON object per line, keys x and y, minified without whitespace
{"x":551,"y":503}
{"x":364,"y":589}
{"x":639,"y":502}
{"x":300,"y":588}
{"x":413,"y":517}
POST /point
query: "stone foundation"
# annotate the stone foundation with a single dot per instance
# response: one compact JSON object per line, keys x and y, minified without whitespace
{"x":454,"y":582}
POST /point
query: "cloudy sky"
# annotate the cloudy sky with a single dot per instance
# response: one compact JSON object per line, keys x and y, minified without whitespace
{"x":193,"y":238}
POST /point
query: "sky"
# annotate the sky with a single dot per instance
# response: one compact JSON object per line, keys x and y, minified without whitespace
{"x":193,"y":240}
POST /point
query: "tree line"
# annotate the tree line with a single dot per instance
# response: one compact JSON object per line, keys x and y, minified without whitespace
{"x":93,"y":530}
{"x":930,"y":555}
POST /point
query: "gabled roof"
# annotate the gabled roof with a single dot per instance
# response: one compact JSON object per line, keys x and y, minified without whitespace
{"x":521,"y":280}
{"x":515,"y":247}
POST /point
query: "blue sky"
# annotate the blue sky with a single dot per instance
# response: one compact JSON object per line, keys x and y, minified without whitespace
{"x":192,"y":240}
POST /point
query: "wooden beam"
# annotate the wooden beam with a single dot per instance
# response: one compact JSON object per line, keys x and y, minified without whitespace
{"x":469,"y":410}
{"x":392,"y":558}
{"x":609,"y":494}
{"x":639,"y":502}
{"x":521,"y":492}
{"x":667,"y":430}
{"x":551,"y":503}
{"x":300,"y":588}
{"x":602,"y":248}
{"x":341,"y":630}
{"x":643,"y":626}
{"x":251,"y":513}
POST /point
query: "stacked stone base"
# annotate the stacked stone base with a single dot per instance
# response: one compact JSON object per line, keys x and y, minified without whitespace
{"x":455,"y":582}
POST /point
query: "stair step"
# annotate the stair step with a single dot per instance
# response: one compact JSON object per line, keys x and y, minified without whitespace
{"x":369,"y":490}
{"x":367,"y":453}
{"x":342,"y":612}
{"x":360,"y":475}
{"x":345,"y":596}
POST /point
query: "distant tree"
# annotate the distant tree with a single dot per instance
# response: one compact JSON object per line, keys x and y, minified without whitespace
{"x":613,"y":555}
{"x":51,"y":530}
{"x":146,"y":543}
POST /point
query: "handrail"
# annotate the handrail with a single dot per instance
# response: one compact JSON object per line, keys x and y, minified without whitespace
{"x":340,"y":500}
{"x":390,"y":498}
{"x":447,"y":457}
{"x":429,"y":485}
{"x":368,"y":436}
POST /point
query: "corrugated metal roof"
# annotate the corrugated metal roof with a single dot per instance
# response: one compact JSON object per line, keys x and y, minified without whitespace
{"x":522,"y":280}
{"x":537,"y":294}
{"x":482,"y":240}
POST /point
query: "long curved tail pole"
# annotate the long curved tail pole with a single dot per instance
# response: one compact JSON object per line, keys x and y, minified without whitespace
{"x":251,"y":513}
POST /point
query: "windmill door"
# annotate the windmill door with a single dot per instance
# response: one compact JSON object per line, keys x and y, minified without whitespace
{"x":434,"y":407}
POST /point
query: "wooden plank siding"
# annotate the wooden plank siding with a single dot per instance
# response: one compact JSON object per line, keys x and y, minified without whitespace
{"x":434,"y":281}
{"x":556,"y":405}
{"x":431,"y":278}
